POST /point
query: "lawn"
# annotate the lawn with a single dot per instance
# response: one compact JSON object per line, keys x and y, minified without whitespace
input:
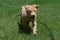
{"x":48,"y":13}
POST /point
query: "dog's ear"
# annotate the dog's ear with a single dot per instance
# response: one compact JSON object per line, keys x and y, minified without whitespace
{"x":36,"y":6}
{"x":27,"y":6}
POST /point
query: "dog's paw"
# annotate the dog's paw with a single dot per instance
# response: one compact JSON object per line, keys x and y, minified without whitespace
{"x":35,"y":33}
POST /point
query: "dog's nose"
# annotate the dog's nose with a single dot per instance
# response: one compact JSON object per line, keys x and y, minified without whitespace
{"x":33,"y":16}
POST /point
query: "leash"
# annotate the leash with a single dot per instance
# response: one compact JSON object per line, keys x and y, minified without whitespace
{"x":51,"y":35}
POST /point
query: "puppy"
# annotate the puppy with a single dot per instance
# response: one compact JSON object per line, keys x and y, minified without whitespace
{"x":28,"y":14}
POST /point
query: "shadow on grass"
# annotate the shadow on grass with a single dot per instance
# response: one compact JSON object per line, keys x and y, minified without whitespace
{"x":26,"y":30}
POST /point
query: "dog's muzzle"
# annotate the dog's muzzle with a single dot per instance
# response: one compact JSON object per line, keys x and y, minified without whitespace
{"x":33,"y":16}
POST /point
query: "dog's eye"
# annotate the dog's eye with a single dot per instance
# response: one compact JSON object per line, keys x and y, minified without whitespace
{"x":34,"y":10}
{"x":29,"y":11}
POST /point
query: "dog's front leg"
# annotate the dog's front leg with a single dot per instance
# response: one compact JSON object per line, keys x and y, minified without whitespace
{"x":34,"y":26}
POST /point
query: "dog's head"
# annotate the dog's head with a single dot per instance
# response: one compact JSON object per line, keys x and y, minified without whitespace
{"x":31,"y":9}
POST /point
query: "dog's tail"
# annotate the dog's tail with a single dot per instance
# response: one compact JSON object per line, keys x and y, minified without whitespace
{"x":23,"y":11}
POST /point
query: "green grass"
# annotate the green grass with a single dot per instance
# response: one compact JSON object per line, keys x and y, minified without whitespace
{"x":48,"y":12}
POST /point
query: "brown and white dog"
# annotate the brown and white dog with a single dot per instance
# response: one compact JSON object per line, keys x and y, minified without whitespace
{"x":28,"y":14}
